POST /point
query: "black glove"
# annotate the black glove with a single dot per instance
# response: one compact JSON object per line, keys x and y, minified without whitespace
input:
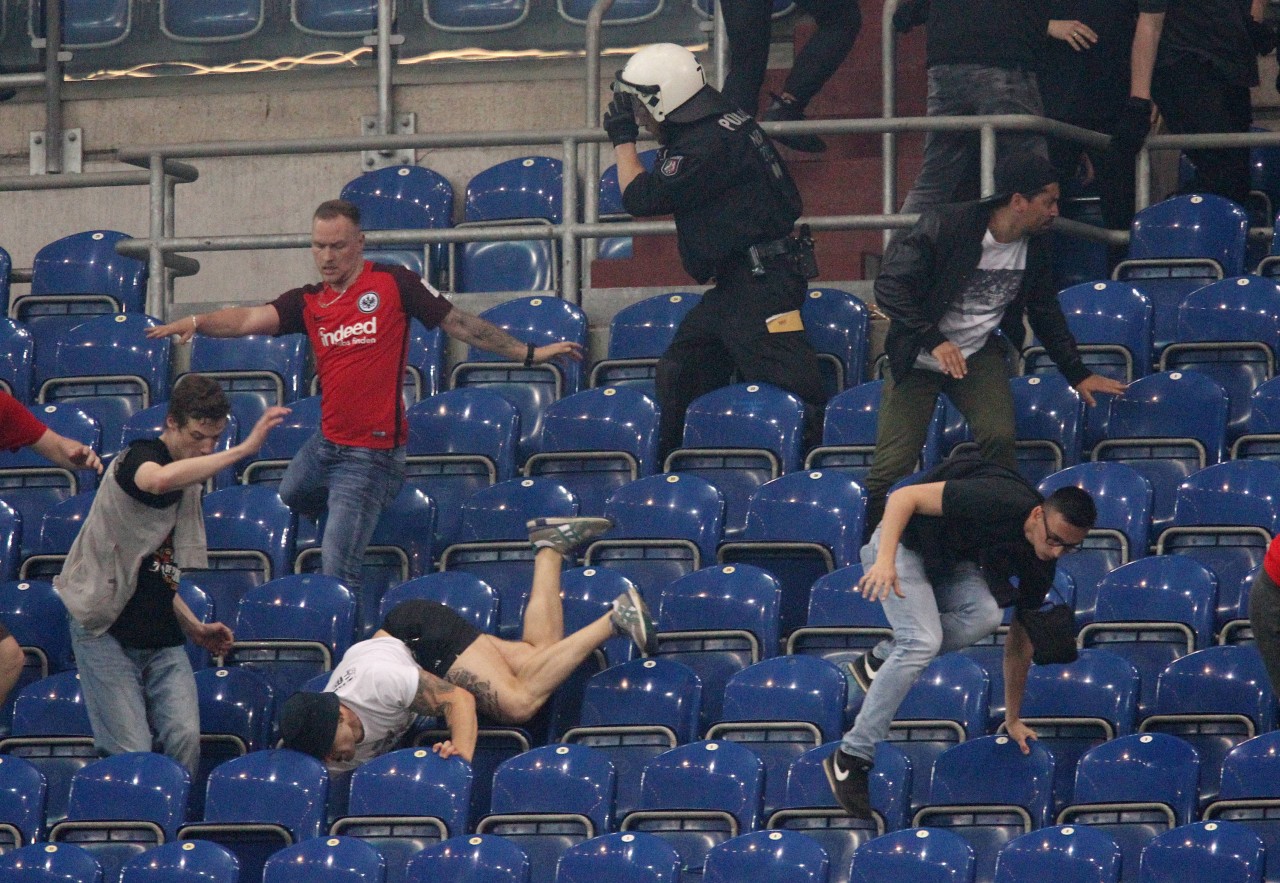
{"x":909,"y":14}
{"x":620,"y":120}
{"x":1261,"y":35}
{"x":1132,"y":127}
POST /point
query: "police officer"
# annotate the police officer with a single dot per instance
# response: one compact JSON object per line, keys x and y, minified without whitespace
{"x":734,"y":205}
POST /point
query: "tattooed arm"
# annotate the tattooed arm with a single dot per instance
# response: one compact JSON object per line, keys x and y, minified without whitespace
{"x":474,"y":331}
{"x":439,"y":698}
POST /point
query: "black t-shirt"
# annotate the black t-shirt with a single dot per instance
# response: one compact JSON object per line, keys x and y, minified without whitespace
{"x":148,"y":620}
{"x":1210,"y":30}
{"x":1094,"y":84}
{"x":984,"y":509}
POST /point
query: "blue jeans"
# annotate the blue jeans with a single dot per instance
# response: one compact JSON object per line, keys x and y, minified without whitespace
{"x":951,"y":159}
{"x":130,"y":692}
{"x":354,"y":484}
{"x":930,"y":620}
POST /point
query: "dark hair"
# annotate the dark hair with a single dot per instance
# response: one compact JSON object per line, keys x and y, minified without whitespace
{"x":196,"y":397}
{"x":1075,"y":505}
{"x":337,"y":208}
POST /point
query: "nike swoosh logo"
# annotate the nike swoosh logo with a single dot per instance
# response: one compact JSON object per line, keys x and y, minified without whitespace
{"x":841,"y":775}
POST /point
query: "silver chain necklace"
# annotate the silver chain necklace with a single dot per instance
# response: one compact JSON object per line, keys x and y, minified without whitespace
{"x":325,"y":306}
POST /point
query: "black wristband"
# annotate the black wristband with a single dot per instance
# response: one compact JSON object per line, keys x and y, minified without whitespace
{"x":528,"y":357}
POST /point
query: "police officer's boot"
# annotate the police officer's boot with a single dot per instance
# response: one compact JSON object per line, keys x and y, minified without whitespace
{"x":788,"y":110}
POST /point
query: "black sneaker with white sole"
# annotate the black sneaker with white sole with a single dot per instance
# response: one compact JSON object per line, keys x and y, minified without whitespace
{"x":864,"y":669}
{"x":850,"y":778}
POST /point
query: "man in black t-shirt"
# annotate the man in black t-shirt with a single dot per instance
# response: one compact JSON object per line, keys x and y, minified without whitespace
{"x":943,"y":561}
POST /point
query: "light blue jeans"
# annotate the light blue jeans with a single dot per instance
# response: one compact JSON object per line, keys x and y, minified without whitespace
{"x":354,"y":484}
{"x":928,"y":621}
{"x":131,"y":693}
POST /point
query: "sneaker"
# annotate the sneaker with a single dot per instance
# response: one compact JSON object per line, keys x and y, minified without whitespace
{"x":849,"y":778}
{"x":785,"y":110}
{"x":630,"y":617}
{"x":864,"y":668}
{"x":565,"y":534}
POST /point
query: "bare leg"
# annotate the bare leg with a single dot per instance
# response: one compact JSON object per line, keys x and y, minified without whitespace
{"x":11,"y":662}
{"x":544,"y":614}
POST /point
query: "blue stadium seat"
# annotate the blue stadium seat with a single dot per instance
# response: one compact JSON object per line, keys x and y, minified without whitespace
{"x":17,"y":359}
{"x":624,"y":13}
{"x":780,"y":708}
{"x":150,"y":423}
{"x":838,"y":325}
{"x":524,"y":190}
{"x":333,"y":859}
{"x":470,"y":858}
{"x":335,"y":18}
{"x":610,"y":208}
{"x":718,"y":621}
{"x":37,"y":619}
{"x":622,"y":858}
{"x":800,"y":527}
{"x":842,"y":625}
{"x":467,"y":16}
{"x":664,"y":527}
{"x":403,"y":198}
{"x":192,"y":861}
{"x":10,"y":540}
{"x":494,"y":544}
{"x":250,"y":534}
{"x":922,"y":855}
{"x":1111,"y":322}
{"x":738,"y":438}
{"x":1220,"y":851}
{"x":767,"y":857}
{"x":1134,"y":788}
{"x":22,"y":792}
{"x":50,"y":863}
{"x":259,"y":803}
{"x":283,"y":443}
{"x":539,"y":320}
{"x":466,"y":594}
{"x":235,"y":718}
{"x":255,"y":371}
{"x":550,"y":799}
{"x":191,"y":21}
{"x":1248,"y":791}
{"x":87,"y":264}
{"x":58,"y":530}
{"x":1166,"y":426}
{"x":990,"y":793}
{"x":1062,"y":853}
{"x":595,"y":441}
{"x":460,"y":442}
{"x":86,"y":24}
{"x":638,"y":336}
{"x":697,"y":796}
{"x":1261,"y":438}
{"x":849,"y":432}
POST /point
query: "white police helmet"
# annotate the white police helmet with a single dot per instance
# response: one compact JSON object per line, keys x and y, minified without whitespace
{"x":663,"y":76}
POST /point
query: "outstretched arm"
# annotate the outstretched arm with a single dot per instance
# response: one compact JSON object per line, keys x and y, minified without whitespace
{"x":66,"y":452}
{"x":231,"y":322}
{"x":439,"y":698}
{"x":474,"y":331}
{"x":1017,"y":662}
{"x":215,"y":637}
{"x":156,"y":479}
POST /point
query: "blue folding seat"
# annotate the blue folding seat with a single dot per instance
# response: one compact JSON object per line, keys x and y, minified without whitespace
{"x":1247,"y":796}
{"x":527,"y":190}
{"x":1166,"y":426}
{"x":623,"y":13}
{"x":768,"y":857}
{"x":255,"y":371}
{"x":467,"y":595}
{"x":1111,"y":322}
{"x":623,"y":858}
{"x":58,"y":530}
{"x":470,"y":858}
{"x":539,"y":320}
{"x":403,"y":198}
{"x":293,"y":628}
{"x":738,"y":438}
{"x":17,"y":354}
{"x":550,"y":799}
{"x":190,"y":21}
{"x":282,"y":444}
{"x":610,"y":208}
{"x":638,"y":336}
{"x":1134,"y":788}
{"x":1224,"y":517}
{"x":1261,"y":438}
{"x":633,"y":712}
{"x":837,"y":324}
{"x":468,"y":16}
{"x":6,"y":267}
{"x":494,"y":540}
{"x":86,"y":24}
{"x":718,"y":621}
{"x":332,"y":859}
{"x":849,"y":432}
{"x":150,"y":423}
{"x":595,"y":441}
{"x":335,"y":18}
{"x":22,"y":791}
{"x":800,"y":527}
{"x":1063,"y":854}
{"x":1229,"y":331}
{"x":262,"y":802}
{"x":50,"y":863}
{"x":1219,"y":851}
{"x":664,"y":527}
{"x":37,"y":619}
{"x":460,"y":442}
{"x":405,"y":801}
{"x":235,"y":718}
{"x":10,"y":540}
{"x":1074,"y":707}
{"x":922,"y":855}
{"x":780,"y":708}
{"x":250,"y":535}
{"x":1177,"y":246}
{"x":1213,"y":699}
{"x":122,"y":806}
{"x":192,"y":861}
{"x":699,"y":795}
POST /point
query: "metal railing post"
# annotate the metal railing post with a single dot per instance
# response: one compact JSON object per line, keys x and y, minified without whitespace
{"x":1142,"y":180}
{"x":53,"y":86}
{"x":987,"y":160}
{"x":719,"y":49}
{"x":385,"y":126}
{"x":888,"y":109}
{"x":158,"y":288}
{"x":590,"y":119}
{"x":570,"y":284}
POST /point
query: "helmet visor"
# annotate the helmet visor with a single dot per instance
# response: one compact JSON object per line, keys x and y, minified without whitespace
{"x":649,"y":95}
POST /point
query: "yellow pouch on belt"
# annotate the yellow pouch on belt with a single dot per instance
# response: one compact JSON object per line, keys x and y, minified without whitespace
{"x":780,"y":322}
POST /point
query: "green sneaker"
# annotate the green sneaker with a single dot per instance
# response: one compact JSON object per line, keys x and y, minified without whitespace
{"x":565,"y":534}
{"x":631,"y":617}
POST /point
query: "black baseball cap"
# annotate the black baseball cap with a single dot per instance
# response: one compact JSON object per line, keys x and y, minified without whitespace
{"x":1023,"y":172}
{"x":308,"y":723}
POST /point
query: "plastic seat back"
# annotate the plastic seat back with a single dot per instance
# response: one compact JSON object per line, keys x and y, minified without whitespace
{"x":769,"y":857}
{"x":191,"y":861}
{"x":624,"y":858}
{"x":22,"y":795}
{"x":923,"y":855}
{"x":335,"y":859}
{"x":464,"y":593}
{"x":50,"y":863}
{"x":334,"y":18}
{"x":403,"y":198}
{"x":837,"y":324}
{"x":1220,"y":851}
{"x":638,"y":335}
{"x":17,"y":356}
{"x":88,"y":264}
{"x":187,"y":21}
{"x":250,"y":534}
{"x":470,"y":858}
{"x":1063,"y":853}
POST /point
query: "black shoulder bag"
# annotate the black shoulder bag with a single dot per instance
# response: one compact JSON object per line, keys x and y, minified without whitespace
{"x":1052,"y":630}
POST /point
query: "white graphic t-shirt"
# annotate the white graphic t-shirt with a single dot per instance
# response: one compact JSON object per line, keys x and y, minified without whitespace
{"x":378,"y":680}
{"x":979,"y":307}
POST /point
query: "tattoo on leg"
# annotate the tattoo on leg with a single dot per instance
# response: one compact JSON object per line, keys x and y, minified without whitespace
{"x":486,"y":695}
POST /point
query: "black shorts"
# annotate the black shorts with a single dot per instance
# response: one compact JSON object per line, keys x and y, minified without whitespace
{"x":433,"y":632}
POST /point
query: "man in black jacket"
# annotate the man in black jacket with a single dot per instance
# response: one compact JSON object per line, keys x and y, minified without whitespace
{"x":734,"y":205}
{"x":961,"y":273}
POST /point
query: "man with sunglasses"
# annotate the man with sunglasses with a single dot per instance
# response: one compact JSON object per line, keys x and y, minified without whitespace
{"x":943,"y":562}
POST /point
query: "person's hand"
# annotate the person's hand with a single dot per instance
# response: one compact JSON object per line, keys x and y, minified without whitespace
{"x":953,"y":363}
{"x":620,"y":120}
{"x":214,"y":637}
{"x":270,"y":419}
{"x":1076,"y":34}
{"x":82,"y":455}
{"x":445,"y":748}
{"x":878,"y":581}
{"x":1021,"y":733}
{"x":1131,"y":127}
{"x":566,"y":348}
{"x":184,"y":328}
{"x":1096,"y":383}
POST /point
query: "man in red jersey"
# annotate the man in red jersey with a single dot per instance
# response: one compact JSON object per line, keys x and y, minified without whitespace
{"x":357,"y":319}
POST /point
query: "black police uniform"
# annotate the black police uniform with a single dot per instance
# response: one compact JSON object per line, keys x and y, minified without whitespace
{"x":719,"y":175}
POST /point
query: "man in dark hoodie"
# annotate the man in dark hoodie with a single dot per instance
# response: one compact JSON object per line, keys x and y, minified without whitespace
{"x":734,"y":205}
